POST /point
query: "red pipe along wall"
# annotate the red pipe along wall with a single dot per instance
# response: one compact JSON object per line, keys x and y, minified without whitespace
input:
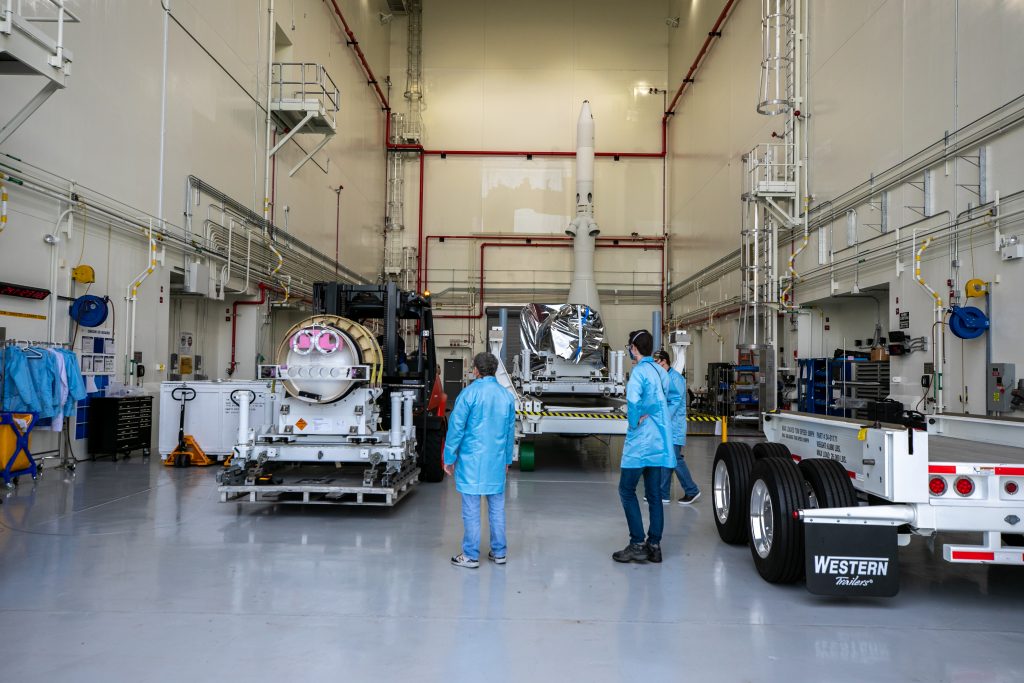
{"x":715,"y":32}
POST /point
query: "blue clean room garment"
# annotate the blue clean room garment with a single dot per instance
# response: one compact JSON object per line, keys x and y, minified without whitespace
{"x":675,"y":392}
{"x":76,"y":383}
{"x":19,"y":389}
{"x":481,"y":437}
{"x":46,"y":379}
{"x":648,"y":443}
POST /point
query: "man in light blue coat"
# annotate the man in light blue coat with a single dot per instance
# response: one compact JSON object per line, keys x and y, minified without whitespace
{"x":675,"y":392}
{"x":477,"y":452}
{"x":646,"y":452}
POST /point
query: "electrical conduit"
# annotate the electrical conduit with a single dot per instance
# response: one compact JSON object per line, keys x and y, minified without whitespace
{"x":937,"y":350}
{"x":3,"y":203}
{"x":131,"y":297}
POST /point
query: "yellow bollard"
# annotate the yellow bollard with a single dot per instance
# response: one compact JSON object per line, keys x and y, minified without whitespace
{"x":725,"y":429}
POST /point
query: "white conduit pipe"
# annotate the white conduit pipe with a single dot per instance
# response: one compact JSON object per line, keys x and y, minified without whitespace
{"x":271,"y":30}
{"x":52,"y":322}
{"x":130,"y":297}
{"x":3,"y":203}
{"x":937,"y":351}
{"x":166,"y":5}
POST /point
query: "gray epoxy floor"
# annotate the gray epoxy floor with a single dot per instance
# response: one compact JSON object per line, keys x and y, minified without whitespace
{"x":133,"y":572}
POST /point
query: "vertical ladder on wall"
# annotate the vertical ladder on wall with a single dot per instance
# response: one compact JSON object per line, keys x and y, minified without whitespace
{"x":772,"y":175}
{"x":27,"y":50}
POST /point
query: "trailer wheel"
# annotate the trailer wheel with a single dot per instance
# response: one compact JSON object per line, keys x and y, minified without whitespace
{"x":828,"y":484}
{"x":729,"y":486}
{"x":432,"y":459}
{"x":768,"y":449}
{"x":776,"y":536}
{"x":526,"y":459}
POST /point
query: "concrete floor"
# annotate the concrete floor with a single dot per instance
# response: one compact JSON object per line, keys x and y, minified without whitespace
{"x":133,"y":572}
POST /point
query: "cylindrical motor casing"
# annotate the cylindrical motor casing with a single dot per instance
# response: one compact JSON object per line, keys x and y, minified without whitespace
{"x":409,"y":398}
{"x":243,"y":416}
{"x":396,"y":418}
{"x":319,"y":358}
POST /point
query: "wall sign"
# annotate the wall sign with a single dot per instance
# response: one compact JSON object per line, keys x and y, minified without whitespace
{"x":23,"y":291}
{"x":905,"y":320}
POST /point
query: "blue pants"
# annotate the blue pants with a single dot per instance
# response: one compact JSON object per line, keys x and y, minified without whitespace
{"x":628,"y":479}
{"x":690,"y":487}
{"x":471,"y":522}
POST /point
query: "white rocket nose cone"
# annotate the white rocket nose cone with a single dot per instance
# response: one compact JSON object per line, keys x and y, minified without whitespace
{"x":586,"y":119}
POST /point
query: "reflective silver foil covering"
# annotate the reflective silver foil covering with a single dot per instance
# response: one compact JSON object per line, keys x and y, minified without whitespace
{"x":570,"y":331}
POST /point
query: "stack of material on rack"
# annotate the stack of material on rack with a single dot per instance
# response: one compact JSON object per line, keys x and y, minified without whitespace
{"x":44,"y":381}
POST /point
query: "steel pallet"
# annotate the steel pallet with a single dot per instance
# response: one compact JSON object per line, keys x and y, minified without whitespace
{"x":334,"y":489}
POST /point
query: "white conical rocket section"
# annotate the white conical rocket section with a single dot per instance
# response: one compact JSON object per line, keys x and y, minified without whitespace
{"x":583,"y":229}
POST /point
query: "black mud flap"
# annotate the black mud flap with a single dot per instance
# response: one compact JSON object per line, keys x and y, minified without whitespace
{"x":852,"y":559}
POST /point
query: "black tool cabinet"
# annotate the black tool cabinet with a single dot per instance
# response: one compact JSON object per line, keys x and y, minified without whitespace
{"x":121,"y":425}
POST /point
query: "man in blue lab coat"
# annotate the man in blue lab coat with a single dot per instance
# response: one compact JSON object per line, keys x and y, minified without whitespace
{"x":478,"y":451}
{"x":646,"y":451}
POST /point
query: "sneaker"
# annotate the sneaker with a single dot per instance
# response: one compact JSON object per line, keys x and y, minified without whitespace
{"x":664,"y":501}
{"x":688,"y":499}
{"x":634,"y":552}
{"x":653,"y":552}
{"x":461,"y":560}
{"x":494,"y":559}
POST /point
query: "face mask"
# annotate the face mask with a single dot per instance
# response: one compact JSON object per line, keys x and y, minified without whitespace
{"x":632,"y":356}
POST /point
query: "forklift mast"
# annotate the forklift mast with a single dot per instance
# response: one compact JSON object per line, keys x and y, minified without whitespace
{"x":388,"y":305}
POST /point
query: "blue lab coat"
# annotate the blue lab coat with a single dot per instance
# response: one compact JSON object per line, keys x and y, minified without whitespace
{"x":481,"y":437}
{"x":19,"y":389}
{"x":76,"y":384}
{"x":675,"y":392}
{"x":46,"y":379}
{"x":648,"y":443}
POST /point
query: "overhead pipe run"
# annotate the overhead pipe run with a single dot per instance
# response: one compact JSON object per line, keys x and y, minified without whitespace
{"x":553,"y":242}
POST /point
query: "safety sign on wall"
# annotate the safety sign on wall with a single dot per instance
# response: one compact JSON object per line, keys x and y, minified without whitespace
{"x":905,"y":320}
{"x":185,"y":341}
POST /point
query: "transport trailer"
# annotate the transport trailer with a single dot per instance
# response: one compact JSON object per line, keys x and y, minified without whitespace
{"x":831,"y":498}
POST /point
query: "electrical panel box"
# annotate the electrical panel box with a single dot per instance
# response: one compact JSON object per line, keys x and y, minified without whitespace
{"x":1002,"y":379}
{"x":197,"y":278}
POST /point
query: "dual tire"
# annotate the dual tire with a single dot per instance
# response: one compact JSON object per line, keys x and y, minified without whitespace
{"x":756,"y":495}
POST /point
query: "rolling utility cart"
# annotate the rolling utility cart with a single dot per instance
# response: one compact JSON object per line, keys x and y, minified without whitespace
{"x":15,"y":455}
{"x":120,"y":425}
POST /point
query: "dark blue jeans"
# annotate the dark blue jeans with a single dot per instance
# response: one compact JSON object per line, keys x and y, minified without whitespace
{"x":628,"y":479}
{"x":690,"y":487}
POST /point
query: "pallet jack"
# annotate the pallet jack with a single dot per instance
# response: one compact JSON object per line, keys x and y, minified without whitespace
{"x":188,"y":451}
